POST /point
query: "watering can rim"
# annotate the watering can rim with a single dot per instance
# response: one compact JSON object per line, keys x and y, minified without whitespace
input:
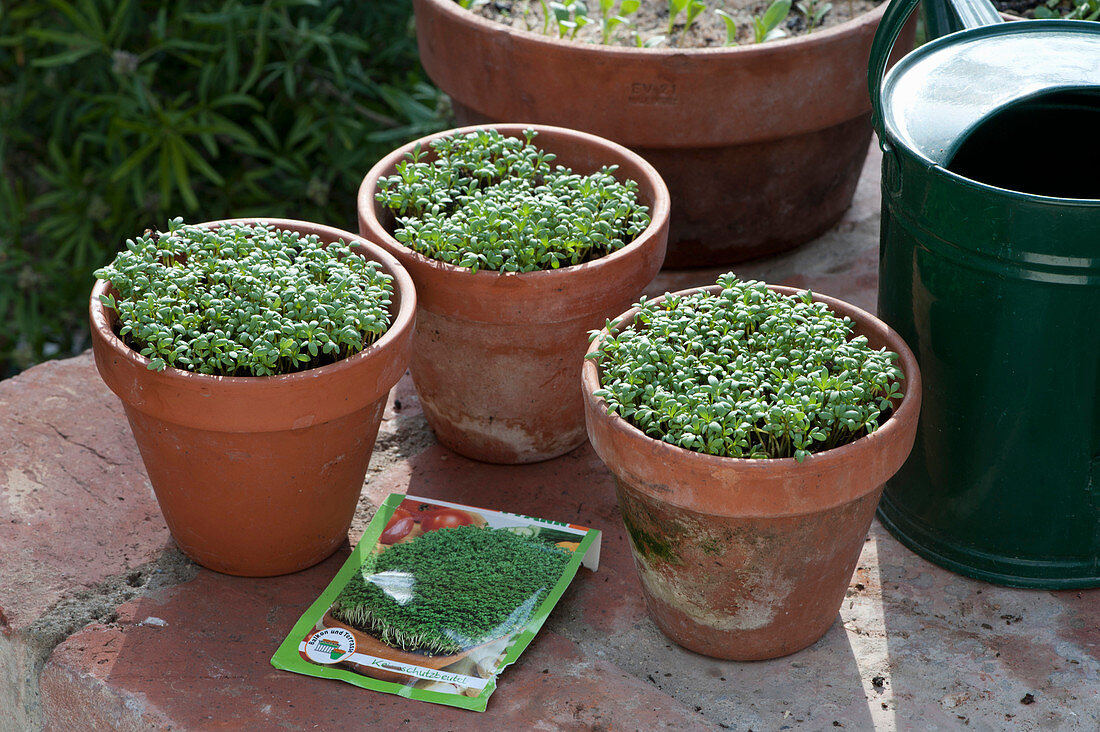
{"x":963,"y":180}
{"x":879,"y":79}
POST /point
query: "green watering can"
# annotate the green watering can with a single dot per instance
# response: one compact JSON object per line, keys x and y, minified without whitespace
{"x":990,"y":270}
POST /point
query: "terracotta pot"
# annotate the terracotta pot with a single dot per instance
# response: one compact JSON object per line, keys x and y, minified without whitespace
{"x":760,"y":145}
{"x":367,"y":644}
{"x":750,"y":559}
{"x":496,"y":353}
{"x":259,"y":476}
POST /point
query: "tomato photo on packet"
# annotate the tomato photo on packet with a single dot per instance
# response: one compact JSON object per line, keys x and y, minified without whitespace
{"x":398,"y":527}
{"x":444,"y":518}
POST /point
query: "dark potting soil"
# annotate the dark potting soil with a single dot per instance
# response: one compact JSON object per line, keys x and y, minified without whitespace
{"x":651,"y":20}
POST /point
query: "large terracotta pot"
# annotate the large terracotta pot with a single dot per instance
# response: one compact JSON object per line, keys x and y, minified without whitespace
{"x":260,"y":475}
{"x":750,"y":559}
{"x":496,"y":354}
{"x":760,"y":145}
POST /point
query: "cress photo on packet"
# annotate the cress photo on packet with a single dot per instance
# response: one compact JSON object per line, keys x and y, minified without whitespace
{"x":436,"y":599}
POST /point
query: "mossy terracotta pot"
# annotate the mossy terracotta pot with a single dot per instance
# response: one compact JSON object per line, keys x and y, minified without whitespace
{"x":260,"y":476}
{"x":750,"y":559}
{"x":761,"y":145}
{"x":496,"y":353}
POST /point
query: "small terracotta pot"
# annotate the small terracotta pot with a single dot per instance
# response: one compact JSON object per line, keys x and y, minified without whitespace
{"x":496,"y":353}
{"x":367,"y":644}
{"x":761,"y":145}
{"x":260,"y":475}
{"x":750,"y":559}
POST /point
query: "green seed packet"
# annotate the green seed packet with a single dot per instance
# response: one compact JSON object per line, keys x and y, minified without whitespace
{"x":436,"y":599}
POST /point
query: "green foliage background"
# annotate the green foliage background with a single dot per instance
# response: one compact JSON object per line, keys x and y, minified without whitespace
{"x":116,"y":115}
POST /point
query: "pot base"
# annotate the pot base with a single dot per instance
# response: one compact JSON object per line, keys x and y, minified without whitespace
{"x":744,"y":588}
{"x":258,"y":504}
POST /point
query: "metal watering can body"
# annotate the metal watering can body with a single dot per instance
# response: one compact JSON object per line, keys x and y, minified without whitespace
{"x":990,"y":269}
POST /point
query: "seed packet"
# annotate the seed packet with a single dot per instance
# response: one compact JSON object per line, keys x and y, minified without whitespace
{"x":436,"y":599}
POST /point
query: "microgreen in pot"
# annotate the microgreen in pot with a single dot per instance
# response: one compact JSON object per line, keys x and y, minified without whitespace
{"x":745,"y":373}
{"x":244,"y":299}
{"x":486,"y":201}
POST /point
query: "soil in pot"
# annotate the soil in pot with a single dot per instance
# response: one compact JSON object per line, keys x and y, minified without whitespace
{"x":707,"y":30}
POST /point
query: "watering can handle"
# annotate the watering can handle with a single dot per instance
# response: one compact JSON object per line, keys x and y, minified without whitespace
{"x":954,"y":15}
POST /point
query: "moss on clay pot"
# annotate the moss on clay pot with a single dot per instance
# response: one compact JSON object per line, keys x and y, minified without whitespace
{"x":746,"y":558}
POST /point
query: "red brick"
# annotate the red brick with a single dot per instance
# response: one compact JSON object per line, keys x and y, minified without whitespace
{"x":207,"y":667}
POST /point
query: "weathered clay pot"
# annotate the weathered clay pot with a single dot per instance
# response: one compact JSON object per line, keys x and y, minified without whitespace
{"x":760,"y":145}
{"x":750,"y":559}
{"x":496,"y":354}
{"x":259,"y":476}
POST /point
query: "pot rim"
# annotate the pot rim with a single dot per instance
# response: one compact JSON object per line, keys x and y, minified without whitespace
{"x":658,"y":213}
{"x":402,"y":320}
{"x":830,"y":459}
{"x":459,"y":15}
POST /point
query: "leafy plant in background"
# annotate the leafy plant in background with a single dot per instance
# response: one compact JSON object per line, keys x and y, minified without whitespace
{"x":244,"y":299}
{"x":746,"y":373}
{"x":116,"y":114}
{"x":486,"y":201}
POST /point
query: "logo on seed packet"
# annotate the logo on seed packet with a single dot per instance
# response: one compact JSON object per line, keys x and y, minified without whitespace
{"x":330,"y":645}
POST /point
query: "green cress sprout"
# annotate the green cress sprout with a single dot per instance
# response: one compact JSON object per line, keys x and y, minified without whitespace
{"x":570,"y":17}
{"x":731,"y":26}
{"x":766,"y":27}
{"x":692,"y":9}
{"x":451,"y":589}
{"x":610,"y":20}
{"x":747,"y":373}
{"x":487,"y":201}
{"x":244,"y":299}
{"x":814,"y":11}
